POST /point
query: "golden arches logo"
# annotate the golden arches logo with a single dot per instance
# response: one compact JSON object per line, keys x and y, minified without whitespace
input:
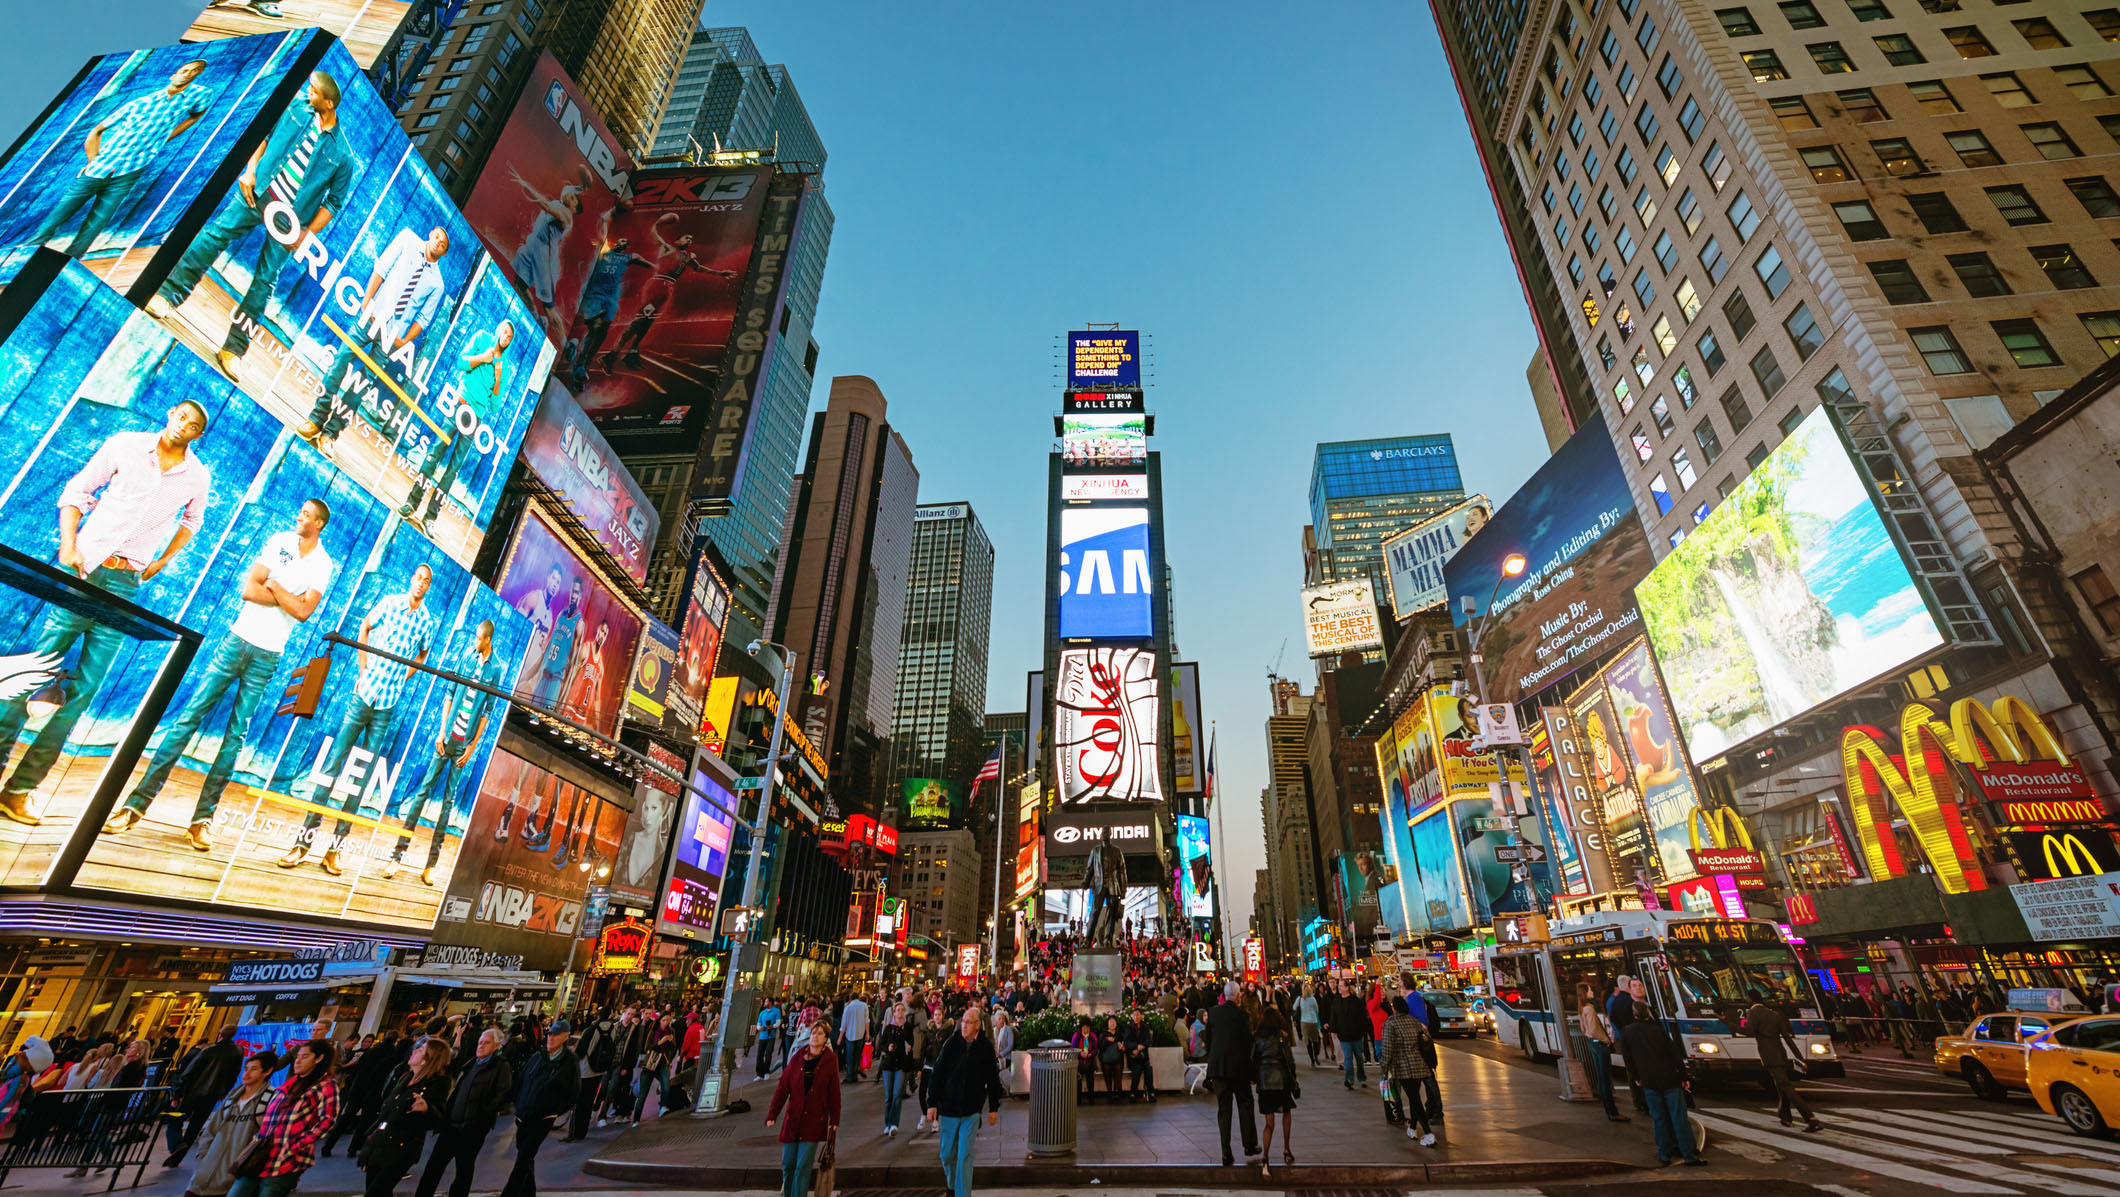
{"x":2071,"y":851}
{"x":2009,"y":732}
{"x":1924,"y":788}
{"x":1726,"y":829}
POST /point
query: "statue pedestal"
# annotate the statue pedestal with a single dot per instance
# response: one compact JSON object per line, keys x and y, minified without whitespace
{"x":1098,"y":983}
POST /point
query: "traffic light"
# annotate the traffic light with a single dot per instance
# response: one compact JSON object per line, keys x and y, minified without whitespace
{"x":308,"y":688}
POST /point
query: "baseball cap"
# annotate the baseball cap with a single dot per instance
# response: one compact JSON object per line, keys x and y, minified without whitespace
{"x":560,"y":1026}
{"x":38,"y":1051}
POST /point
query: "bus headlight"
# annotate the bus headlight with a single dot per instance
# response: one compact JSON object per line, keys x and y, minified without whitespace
{"x":1820,"y":1049}
{"x":1708,"y":1048}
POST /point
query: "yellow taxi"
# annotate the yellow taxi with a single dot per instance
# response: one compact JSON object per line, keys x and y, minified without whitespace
{"x":1991,"y":1054}
{"x":2073,"y":1071}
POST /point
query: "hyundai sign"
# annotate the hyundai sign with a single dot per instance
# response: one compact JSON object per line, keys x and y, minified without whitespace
{"x":1079,"y":835}
{"x":1104,"y":573}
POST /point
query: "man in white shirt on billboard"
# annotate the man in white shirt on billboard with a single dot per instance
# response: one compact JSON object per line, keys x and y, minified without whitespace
{"x":403,"y":297}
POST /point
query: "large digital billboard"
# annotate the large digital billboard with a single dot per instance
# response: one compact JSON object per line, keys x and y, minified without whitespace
{"x":1096,"y":488}
{"x":1196,"y":891}
{"x":1575,"y":525}
{"x":1630,"y":845}
{"x":1439,"y":886}
{"x":1105,"y":712}
{"x":930,"y":804}
{"x":364,"y":25}
{"x":1662,"y":775}
{"x":1106,"y":587}
{"x":584,"y":475}
{"x":1430,"y":755}
{"x":521,"y":890}
{"x":1103,"y":360}
{"x":583,"y":633}
{"x":1103,"y":439}
{"x":1787,"y":596}
{"x":1413,"y":559}
{"x":158,"y":481}
{"x":1340,"y":617}
{"x":705,"y":614}
{"x":636,"y":872}
{"x":1188,"y":750}
{"x":699,"y":857}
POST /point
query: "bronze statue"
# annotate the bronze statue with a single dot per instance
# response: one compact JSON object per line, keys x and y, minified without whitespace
{"x":1107,"y":895}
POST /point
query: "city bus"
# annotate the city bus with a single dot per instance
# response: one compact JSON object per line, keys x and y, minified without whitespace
{"x":1699,"y":973}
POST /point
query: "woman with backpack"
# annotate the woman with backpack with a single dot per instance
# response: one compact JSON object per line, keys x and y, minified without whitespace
{"x":1408,"y":1059}
{"x":1273,"y":1055}
{"x":296,"y":1120}
{"x":415,"y":1100}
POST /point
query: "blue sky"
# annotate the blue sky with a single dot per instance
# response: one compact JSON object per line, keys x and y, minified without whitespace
{"x":1285,"y":201}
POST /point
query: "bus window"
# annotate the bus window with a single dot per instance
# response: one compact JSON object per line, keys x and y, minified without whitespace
{"x":1717,"y":976}
{"x":1516,"y":980}
{"x":1596,"y":966}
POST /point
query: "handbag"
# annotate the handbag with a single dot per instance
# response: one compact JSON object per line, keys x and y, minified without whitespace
{"x":250,"y":1162}
{"x":827,"y":1177}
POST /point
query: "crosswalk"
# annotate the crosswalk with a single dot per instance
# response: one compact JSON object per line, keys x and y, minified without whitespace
{"x":1984,"y":1150}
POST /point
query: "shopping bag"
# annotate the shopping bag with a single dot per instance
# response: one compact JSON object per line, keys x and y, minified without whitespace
{"x":827,"y":1177}
{"x":868,"y":1055}
{"x":1392,"y":1112}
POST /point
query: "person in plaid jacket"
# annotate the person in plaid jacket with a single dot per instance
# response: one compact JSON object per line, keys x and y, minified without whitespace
{"x":300,"y":1115}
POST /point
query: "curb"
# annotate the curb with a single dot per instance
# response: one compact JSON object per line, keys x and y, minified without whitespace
{"x":1056,"y":1174}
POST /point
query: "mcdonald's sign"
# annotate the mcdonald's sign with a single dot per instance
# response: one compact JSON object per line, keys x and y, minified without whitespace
{"x":2049,"y":855}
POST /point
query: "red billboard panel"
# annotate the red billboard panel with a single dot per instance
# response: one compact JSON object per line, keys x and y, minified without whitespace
{"x":583,"y":634}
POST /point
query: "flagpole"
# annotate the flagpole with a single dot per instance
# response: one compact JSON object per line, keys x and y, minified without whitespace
{"x":1215,"y":795}
{"x":993,"y":929}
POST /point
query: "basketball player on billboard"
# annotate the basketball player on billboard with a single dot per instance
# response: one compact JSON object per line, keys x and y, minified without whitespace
{"x":655,"y":298}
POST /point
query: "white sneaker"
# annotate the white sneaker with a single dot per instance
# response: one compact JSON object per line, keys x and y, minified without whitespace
{"x":1427,"y":1140}
{"x":602,"y":1122}
{"x":1411,"y":1133}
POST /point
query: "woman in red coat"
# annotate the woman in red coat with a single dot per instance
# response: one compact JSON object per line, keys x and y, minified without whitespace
{"x":809,"y":1091}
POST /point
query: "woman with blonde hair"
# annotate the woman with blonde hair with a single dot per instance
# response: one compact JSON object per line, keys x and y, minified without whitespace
{"x":415,"y":1101}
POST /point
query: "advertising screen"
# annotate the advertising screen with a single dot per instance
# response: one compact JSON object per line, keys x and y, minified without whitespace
{"x":1105,"y":712}
{"x":1413,"y":559}
{"x":1188,"y":751}
{"x":364,"y":25}
{"x":1102,"y":359}
{"x":1438,"y":878}
{"x":1195,"y":868}
{"x":161,"y":121}
{"x":1787,"y":596}
{"x":1095,"y":488}
{"x":1429,"y":754}
{"x":706,"y":612}
{"x":1575,"y":524}
{"x":1497,"y":885}
{"x":544,"y":204}
{"x":657,"y":307}
{"x":1106,"y":590}
{"x":930,"y":804}
{"x":637,"y":869}
{"x":583,"y":634}
{"x":566,"y":452}
{"x":1400,"y":901}
{"x":648,"y":689}
{"x":1074,"y":401}
{"x":1662,"y":775}
{"x":393,"y":345}
{"x":265,"y":547}
{"x":521,"y":894}
{"x":1340,"y":617}
{"x":1630,"y":846}
{"x":1103,"y":439}
{"x":699,"y":859}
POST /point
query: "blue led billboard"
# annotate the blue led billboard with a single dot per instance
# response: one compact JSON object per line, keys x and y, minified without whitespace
{"x":1100,"y":360}
{"x":1105,"y":587}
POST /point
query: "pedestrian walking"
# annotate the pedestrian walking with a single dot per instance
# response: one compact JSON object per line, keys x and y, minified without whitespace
{"x":967,"y":1076}
{"x":1307,"y":1017}
{"x":1274,"y":1059}
{"x":597,"y":1055}
{"x":808,"y":1095}
{"x":1231,"y":1074}
{"x":854,"y":1033}
{"x":206,"y":1079}
{"x":1407,"y":1061}
{"x":894,"y":1064}
{"x":551,"y":1080}
{"x":295,"y":1121}
{"x":482,"y":1089}
{"x":1598,"y":1044}
{"x":652,"y":1071}
{"x":768,"y":1028}
{"x":415,"y":1100}
{"x":1350,"y":1024}
{"x":1769,"y":1028}
{"x":1660,"y":1065}
{"x":230,"y":1127}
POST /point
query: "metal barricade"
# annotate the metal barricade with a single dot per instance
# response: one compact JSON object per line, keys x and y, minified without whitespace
{"x":1052,"y":1122}
{"x":97,"y":1129}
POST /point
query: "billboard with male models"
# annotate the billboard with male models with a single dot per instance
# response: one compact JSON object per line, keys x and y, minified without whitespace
{"x":364,"y":25}
{"x":583,"y":633}
{"x":160,"y":482}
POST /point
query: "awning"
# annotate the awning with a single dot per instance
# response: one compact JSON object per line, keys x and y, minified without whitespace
{"x":476,"y":985}
{"x":256,"y":995}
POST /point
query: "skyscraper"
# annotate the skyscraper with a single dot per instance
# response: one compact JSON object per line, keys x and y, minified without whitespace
{"x":936,"y":721}
{"x":1361,"y":492}
{"x":726,"y":92}
{"x":843,"y":586}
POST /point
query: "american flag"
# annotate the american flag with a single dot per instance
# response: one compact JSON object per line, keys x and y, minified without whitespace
{"x":991,"y":769}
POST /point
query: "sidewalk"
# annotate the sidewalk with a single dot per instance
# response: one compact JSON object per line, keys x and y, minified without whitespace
{"x":1502,"y":1124}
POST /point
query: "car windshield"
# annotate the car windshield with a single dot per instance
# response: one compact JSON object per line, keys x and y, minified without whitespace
{"x":1444,"y":1003}
{"x":1716,"y":976}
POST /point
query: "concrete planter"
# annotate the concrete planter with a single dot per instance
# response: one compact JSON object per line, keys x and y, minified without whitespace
{"x":1166,"y":1068}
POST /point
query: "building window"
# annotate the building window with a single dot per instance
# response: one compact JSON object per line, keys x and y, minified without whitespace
{"x":1644,"y":448}
{"x":1666,"y":165}
{"x":1623,"y":394}
{"x":1668,"y":78}
{"x":1575,"y":200}
{"x":2082,"y":82}
{"x":1711,"y":258}
{"x":1688,"y":210}
{"x":1803,"y":332}
{"x":1833,"y":389}
{"x":1627,"y":84}
{"x":1772,"y":272}
{"x":1660,"y":412}
{"x":1765,"y":66}
{"x":1660,"y":491}
{"x":1824,"y":163}
{"x":2040,"y":34}
{"x":1737,"y":22}
{"x":1897,"y":156}
{"x":1604,"y":352}
{"x":2104,"y":328}
{"x":1831,"y":58}
{"x":1691,"y":120}
{"x":1645,"y":123}
{"x":1644,"y":288}
{"x":1869,"y":10}
{"x":2052,"y":144}
{"x":1977,"y":272}
{"x":474,"y":37}
{"x":2096,"y":196}
{"x":1623,"y":241}
{"x":1743,"y":216}
{"x":1789,"y":422}
{"x":1682,"y":466}
{"x":1575,"y":129}
{"x":1933,"y":96}
{"x":1971,"y":43}
{"x":1711,"y":354}
{"x":2099,"y":595}
{"x":2015,"y":204}
{"x":1862,"y":105}
{"x":1646,"y":36}
{"x":1973,"y":148}
{"x":1665,"y":339}
{"x":2063,"y":268}
{"x":1606,"y":204}
{"x":2027,"y":346}
{"x":1757,"y":457}
{"x":1710,"y":444}
{"x":1666,"y":252}
{"x":1735,"y":411}
{"x":1645,"y":206}
{"x":1682,"y":382}
{"x":2007,"y":90}
{"x":1899,"y":49}
{"x":1688,"y":300}
{"x":1939,"y":349}
{"x":1860,"y":221}
{"x":1624,"y":164}
{"x":1898,"y":281}
{"x":1768,"y":371}
{"x":1801,"y":14}
{"x":2105,"y":22}
{"x":1575,"y":268}
{"x":1936,"y":212}
{"x":1738,"y":311}
{"x":1715,"y":166}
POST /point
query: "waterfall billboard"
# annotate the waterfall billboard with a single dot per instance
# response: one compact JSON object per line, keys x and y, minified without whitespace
{"x":1787,"y":596}
{"x":1575,"y":525}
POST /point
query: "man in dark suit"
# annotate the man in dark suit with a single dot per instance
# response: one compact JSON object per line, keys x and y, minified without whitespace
{"x":1229,"y":1074}
{"x":208,"y":1077}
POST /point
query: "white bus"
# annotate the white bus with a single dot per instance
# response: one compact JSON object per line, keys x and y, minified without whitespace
{"x":1700,"y":974}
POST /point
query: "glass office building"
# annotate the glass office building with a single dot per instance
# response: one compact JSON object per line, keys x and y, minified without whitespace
{"x":1362,"y":492}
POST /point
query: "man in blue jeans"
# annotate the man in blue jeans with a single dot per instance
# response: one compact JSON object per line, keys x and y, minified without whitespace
{"x":118,"y":151}
{"x":1660,"y":1065}
{"x":967,"y":1076}
{"x":281,"y":589}
{"x":1351,"y":1025}
{"x":122,"y":519}
{"x":469,"y":709}
{"x":402,"y":625}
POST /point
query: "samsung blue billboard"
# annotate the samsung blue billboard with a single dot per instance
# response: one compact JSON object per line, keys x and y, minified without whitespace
{"x":1105,"y":590}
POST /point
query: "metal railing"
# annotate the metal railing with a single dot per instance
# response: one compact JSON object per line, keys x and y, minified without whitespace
{"x":87,"y":1128}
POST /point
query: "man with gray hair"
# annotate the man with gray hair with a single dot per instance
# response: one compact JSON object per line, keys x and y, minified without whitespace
{"x":481,"y":1091}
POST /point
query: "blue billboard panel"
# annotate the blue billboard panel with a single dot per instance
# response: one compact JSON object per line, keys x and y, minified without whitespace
{"x":1105,"y":589}
{"x":157,"y":480}
{"x":1195,"y":868}
{"x":1438,"y":898}
{"x":1103,"y":360}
